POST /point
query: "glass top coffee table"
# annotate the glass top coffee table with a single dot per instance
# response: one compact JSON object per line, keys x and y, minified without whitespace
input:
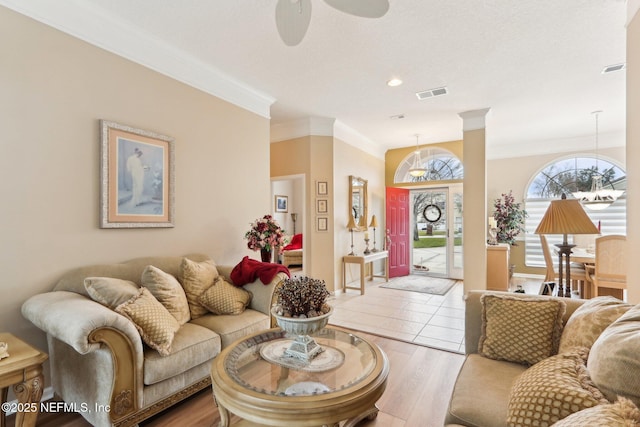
{"x":254,"y":380}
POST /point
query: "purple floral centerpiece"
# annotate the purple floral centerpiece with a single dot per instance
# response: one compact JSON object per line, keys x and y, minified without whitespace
{"x":265,"y":236}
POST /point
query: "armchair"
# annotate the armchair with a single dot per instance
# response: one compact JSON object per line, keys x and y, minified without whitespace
{"x":292,"y":253}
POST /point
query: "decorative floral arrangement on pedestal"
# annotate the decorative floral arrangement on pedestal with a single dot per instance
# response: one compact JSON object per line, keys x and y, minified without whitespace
{"x":265,"y":236}
{"x":302,"y":297}
{"x":509,"y":218}
{"x":301,"y":310}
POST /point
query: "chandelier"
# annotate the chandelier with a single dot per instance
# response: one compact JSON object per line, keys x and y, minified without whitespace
{"x":417,"y":170}
{"x":598,"y":198}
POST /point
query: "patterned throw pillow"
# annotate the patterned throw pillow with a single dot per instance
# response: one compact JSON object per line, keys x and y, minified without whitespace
{"x":587,"y":323}
{"x":167,"y":291}
{"x":552,"y":390}
{"x":622,"y":413}
{"x":197,"y":277}
{"x":225,"y":298}
{"x":109,"y":291}
{"x":520,"y":330}
{"x":156,"y":325}
{"x":614,"y":362}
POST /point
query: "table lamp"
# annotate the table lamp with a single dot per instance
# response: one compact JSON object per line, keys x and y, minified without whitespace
{"x":374,"y":225}
{"x":351,"y":226}
{"x":565,"y":216}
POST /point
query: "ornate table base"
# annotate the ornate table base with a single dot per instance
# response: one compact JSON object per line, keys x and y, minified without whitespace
{"x":22,"y":370}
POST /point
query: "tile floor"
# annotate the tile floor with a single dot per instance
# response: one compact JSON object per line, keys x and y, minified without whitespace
{"x":431,"y":320}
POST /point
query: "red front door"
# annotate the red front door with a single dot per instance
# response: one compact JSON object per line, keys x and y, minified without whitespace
{"x":398,"y":225}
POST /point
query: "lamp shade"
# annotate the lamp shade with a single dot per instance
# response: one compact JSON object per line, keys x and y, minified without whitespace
{"x":363,"y":222}
{"x":566,"y":216}
{"x":374,"y":222}
{"x":352,"y":223}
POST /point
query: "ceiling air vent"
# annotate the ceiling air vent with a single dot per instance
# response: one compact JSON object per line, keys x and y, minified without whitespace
{"x":612,"y":68}
{"x":431,"y":93}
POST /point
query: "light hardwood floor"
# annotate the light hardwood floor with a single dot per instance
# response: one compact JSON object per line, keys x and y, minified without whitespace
{"x":417,"y":394}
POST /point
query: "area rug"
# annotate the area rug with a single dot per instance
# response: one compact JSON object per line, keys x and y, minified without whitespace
{"x":418,"y":283}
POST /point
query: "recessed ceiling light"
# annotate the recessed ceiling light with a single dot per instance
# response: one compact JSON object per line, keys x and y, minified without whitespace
{"x":394,"y":82}
{"x":612,"y":68}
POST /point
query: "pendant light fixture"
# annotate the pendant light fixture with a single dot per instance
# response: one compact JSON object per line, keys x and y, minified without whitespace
{"x":418,"y":169}
{"x":598,"y":198}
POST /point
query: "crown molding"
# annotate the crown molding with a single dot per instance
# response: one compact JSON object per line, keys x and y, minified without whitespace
{"x":352,"y":137}
{"x":319,"y":126}
{"x":88,"y":23}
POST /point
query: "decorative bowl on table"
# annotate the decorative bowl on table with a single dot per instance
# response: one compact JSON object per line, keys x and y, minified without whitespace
{"x":303,"y":347}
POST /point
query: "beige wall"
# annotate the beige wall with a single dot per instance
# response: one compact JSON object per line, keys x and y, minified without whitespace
{"x":325,"y":158}
{"x":54,"y":89}
{"x":633,"y":156}
{"x":349,"y":160}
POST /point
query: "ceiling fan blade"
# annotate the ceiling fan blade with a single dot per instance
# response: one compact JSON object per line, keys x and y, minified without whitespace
{"x":363,"y":8}
{"x":292,"y":20}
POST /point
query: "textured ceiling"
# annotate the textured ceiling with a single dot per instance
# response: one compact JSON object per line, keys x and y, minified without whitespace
{"x":536,"y":64}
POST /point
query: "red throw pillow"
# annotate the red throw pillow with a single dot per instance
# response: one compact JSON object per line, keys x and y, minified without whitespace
{"x":296,"y":243}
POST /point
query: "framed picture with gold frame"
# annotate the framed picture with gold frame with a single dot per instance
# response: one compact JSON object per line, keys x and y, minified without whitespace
{"x":137,"y":177}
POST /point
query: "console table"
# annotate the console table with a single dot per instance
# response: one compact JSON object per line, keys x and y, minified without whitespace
{"x":363,"y":260}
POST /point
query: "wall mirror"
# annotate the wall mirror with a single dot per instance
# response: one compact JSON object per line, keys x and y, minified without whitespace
{"x":358,"y":201}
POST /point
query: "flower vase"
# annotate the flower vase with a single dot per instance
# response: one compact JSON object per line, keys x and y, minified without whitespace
{"x":303,"y":347}
{"x":265,"y":254}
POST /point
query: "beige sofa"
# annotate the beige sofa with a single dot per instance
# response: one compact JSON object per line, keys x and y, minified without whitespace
{"x":99,"y":360}
{"x":488,"y":391}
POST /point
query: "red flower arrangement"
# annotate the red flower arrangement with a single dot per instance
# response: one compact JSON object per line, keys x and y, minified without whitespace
{"x":265,"y":233}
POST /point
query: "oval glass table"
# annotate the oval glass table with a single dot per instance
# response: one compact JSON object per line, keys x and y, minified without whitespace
{"x":256,"y":381}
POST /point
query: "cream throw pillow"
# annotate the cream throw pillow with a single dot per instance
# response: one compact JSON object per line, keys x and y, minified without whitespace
{"x":614,"y":360}
{"x":156,"y":325}
{"x":225,"y":298}
{"x":587,"y":323}
{"x":197,"y":277}
{"x":622,"y":413}
{"x":552,"y":390}
{"x":109,"y":291}
{"x":520,"y":330}
{"x":168,"y":292}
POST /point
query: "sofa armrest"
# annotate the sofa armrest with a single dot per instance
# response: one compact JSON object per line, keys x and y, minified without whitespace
{"x":72,"y":318}
{"x":473,"y":314}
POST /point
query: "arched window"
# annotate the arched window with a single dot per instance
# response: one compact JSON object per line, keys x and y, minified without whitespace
{"x":568,"y":175}
{"x":441,"y":165}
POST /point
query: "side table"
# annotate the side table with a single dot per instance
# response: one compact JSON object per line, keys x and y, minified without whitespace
{"x":363,"y":260}
{"x":23,"y":370}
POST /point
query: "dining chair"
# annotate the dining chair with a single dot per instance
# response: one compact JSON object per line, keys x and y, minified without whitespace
{"x":608,"y":275}
{"x":579,"y":276}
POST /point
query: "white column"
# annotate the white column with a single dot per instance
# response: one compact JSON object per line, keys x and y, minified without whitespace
{"x":633,"y":151}
{"x":474,"y":217}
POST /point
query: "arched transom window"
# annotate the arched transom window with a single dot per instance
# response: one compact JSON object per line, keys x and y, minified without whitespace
{"x":441,"y":165}
{"x":568,"y":175}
